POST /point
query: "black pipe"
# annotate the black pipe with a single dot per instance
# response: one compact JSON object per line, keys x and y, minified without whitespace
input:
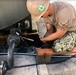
{"x":52,"y":62}
{"x":29,"y":54}
{"x":13,"y":41}
{"x":34,"y":54}
{"x":10,"y":57}
{"x":44,"y":63}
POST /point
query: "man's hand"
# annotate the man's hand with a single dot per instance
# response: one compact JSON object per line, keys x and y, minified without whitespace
{"x":43,"y":40}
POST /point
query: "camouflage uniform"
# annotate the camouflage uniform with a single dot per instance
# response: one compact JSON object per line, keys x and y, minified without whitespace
{"x":66,"y":43}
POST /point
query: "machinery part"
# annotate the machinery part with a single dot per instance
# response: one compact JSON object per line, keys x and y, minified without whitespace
{"x":15,"y":31}
{"x":14,"y":36}
{"x":3,"y":67}
{"x":25,"y":25}
{"x":13,"y":41}
{"x":12,"y":12}
{"x":27,"y":39}
{"x":39,"y":6}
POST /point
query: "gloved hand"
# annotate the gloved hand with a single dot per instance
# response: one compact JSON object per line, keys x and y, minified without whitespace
{"x":47,"y":45}
{"x":38,"y":42}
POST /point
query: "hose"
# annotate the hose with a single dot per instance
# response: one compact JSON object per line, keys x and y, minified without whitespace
{"x":10,"y":57}
{"x":45,"y":63}
{"x":55,"y":59}
{"x":41,"y":63}
{"x":30,"y":54}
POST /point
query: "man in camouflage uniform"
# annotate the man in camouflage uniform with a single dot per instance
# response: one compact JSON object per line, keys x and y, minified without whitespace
{"x":60,"y":15}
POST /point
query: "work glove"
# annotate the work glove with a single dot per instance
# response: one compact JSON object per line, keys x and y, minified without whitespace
{"x":47,"y":44}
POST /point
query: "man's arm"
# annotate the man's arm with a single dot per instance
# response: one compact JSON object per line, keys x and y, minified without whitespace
{"x":58,"y":34}
{"x":50,"y":30}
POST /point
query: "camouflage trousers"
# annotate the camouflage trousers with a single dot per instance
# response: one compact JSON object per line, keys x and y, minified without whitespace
{"x":66,"y":43}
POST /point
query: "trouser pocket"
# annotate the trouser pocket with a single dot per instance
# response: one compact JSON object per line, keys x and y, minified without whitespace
{"x":66,"y":43}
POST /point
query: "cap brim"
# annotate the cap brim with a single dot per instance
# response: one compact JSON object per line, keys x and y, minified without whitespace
{"x":35,"y":18}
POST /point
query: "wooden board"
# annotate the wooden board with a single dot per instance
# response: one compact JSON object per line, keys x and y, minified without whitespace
{"x":52,"y":52}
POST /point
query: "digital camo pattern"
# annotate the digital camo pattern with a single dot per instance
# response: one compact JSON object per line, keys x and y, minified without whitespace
{"x":66,"y":43}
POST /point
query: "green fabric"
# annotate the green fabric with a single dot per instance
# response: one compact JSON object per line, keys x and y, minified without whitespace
{"x":66,"y":43}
